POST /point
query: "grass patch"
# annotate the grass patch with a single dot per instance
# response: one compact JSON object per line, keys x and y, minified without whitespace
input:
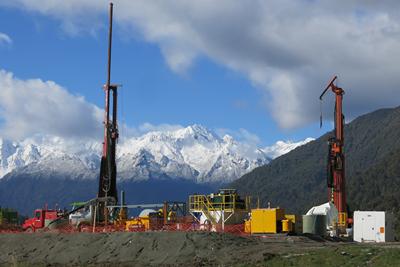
{"x":347,"y":255}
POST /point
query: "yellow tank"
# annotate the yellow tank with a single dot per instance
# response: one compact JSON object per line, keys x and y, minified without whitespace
{"x":295,"y":223}
{"x":266,"y":220}
{"x":247,"y":226}
{"x":287,"y":226}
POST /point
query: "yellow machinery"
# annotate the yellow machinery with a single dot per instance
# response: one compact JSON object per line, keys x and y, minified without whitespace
{"x":150,"y":219}
{"x":224,"y":207}
{"x":140,"y":223}
{"x":247,"y":226}
{"x":289,"y":223}
{"x":270,"y":221}
{"x":266,"y":220}
{"x":286,"y":226}
{"x":225,"y":199}
{"x":122,"y":217}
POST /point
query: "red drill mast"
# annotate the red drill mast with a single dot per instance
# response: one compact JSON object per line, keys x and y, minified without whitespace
{"x":336,"y":161}
{"x":108,"y":168}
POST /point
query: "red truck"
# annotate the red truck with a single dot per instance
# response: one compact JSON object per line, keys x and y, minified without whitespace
{"x":42,"y":218}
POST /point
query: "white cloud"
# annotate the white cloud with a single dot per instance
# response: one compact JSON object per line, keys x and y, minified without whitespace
{"x":35,"y":108}
{"x":148,"y":127}
{"x":289,"y":49}
{"x":30,"y":107}
{"x":127,"y":132}
{"x":4,"y":38}
{"x":44,"y":112}
{"x":75,"y":16}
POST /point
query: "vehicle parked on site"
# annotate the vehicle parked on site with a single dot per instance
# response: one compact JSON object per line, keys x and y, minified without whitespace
{"x":42,"y":218}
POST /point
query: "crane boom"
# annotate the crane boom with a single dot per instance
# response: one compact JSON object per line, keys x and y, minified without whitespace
{"x":327,"y":87}
{"x":336,"y":158}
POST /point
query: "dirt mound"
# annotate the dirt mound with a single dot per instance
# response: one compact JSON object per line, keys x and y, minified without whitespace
{"x":130,"y":249}
{"x":186,"y":249}
{"x":155,"y":249}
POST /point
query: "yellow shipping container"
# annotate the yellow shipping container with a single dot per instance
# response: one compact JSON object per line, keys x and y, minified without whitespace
{"x":265,"y":221}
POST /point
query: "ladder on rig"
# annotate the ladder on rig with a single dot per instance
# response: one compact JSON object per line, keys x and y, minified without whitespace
{"x":200,"y":203}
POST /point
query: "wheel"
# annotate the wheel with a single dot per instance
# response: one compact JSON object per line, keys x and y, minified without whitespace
{"x":29,"y":230}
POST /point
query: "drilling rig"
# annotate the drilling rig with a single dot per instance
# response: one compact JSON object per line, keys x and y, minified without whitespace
{"x":108,"y":168}
{"x":336,"y":158}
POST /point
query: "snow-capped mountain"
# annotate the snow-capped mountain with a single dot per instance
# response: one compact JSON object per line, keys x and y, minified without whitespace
{"x":193,"y":153}
{"x":51,"y":155}
{"x":281,"y":147}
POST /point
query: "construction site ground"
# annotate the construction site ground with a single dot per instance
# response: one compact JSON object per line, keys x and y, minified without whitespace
{"x":188,"y":249}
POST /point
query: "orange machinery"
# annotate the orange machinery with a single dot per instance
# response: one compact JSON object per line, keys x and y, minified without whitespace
{"x":336,"y":159}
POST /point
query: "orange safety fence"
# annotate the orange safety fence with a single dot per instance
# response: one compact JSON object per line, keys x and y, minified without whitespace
{"x":10,"y":228}
{"x":236,"y":229}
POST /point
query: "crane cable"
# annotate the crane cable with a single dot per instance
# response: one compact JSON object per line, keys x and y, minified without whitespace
{"x":320,"y":110}
{"x":320,"y":116}
{"x":122,"y":128}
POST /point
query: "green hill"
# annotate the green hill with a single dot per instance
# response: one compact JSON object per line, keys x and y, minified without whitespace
{"x":297,"y":181}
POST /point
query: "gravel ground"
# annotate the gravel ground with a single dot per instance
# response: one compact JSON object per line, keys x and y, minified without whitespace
{"x":149,"y":249}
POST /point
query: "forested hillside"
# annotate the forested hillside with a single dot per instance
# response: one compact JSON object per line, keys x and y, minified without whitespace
{"x":297,"y":180}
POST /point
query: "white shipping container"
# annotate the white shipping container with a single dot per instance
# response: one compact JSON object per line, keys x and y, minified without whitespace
{"x":372,"y":226}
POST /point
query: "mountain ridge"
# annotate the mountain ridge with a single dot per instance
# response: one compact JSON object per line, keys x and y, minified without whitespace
{"x":194,"y":153}
{"x":297,"y":180}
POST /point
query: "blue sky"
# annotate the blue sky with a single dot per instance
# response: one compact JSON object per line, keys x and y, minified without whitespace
{"x":212,"y":90}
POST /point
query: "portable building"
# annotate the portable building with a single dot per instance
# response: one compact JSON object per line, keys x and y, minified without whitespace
{"x":373,"y":226}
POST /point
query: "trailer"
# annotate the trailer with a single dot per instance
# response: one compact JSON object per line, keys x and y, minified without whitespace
{"x":373,"y":226}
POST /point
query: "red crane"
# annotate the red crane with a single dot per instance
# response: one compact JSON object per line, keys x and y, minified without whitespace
{"x":108,"y":168}
{"x":336,"y":159}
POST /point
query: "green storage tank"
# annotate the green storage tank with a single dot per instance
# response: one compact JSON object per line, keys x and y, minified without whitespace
{"x":314,"y":224}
